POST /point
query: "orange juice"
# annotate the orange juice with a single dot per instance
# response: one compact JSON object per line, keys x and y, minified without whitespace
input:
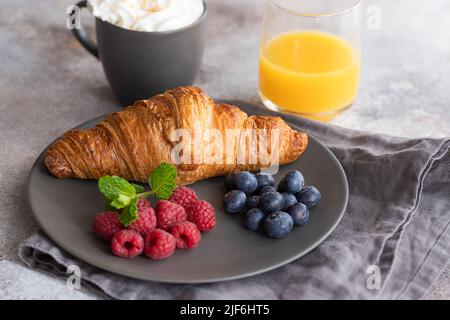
{"x":309,"y":72}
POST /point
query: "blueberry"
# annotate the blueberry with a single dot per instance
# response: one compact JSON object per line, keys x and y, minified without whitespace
{"x":230,"y":181}
{"x":293,"y":182}
{"x":299,"y":213}
{"x":253,"y":219}
{"x":271,"y":202}
{"x":277,"y":225}
{"x":253,"y":202}
{"x":234,"y":201}
{"x":246,"y":181}
{"x":264,"y":180}
{"x":310,"y":196}
{"x":267,"y":189}
{"x":289,"y":200}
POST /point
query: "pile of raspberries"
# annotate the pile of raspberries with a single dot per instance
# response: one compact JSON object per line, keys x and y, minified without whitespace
{"x":176,"y":223}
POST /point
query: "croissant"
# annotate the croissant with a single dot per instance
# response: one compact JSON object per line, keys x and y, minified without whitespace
{"x":168,"y":128}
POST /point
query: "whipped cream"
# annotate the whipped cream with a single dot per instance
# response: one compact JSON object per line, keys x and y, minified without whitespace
{"x":148,"y":15}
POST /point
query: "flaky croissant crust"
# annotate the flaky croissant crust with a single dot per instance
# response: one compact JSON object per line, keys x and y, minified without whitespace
{"x":133,"y":142}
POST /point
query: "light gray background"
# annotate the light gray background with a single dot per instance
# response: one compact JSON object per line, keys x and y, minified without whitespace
{"x":49,"y":84}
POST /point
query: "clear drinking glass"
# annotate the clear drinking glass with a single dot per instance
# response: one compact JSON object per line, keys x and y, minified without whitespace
{"x":310,"y":56}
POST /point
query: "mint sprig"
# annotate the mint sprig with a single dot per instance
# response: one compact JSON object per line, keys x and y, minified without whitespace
{"x":114,"y":187}
{"x":109,"y":207}
{"x":162,"y":180}
{"x":138,"y":188}
{"x":130,"y":213}
{"x":123,"y":196}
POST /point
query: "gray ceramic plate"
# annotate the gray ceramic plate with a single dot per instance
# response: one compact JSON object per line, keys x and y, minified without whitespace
{"x":65,"y":208}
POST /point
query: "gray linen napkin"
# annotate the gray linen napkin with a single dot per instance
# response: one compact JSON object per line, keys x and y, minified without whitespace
{"x":397,"y":220}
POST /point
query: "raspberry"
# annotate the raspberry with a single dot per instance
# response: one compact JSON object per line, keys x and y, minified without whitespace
{"x":202,"y":214}
{"x":159,"y":244}
{"x":146,"y":221}
{"x":143,"y":203}
{"x":183,"y":196}
{"x":186,"y":234}
{"x":127,"y":244}
{"x":168,"y":213}
{"x":106,"y":224}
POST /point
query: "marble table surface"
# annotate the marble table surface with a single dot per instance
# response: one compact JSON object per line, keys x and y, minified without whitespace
{"x":49,"y":84}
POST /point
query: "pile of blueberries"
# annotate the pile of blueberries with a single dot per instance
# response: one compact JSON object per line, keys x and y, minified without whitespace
{"x":274,"y":211}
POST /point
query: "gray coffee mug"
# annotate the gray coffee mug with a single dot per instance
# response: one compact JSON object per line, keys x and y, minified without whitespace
{"x":140,"y":64}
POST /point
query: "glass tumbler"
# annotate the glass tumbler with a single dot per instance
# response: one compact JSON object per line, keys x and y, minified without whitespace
{"x":310,"y":56}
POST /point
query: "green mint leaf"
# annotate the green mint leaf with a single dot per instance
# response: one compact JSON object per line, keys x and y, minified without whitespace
{"x":121,"y":201}
{"x":108,"y":206}
{"x":162,"y":180}
{"x":130,"y":213}
{"x":138,"y":188}
{"x":112,"y":187}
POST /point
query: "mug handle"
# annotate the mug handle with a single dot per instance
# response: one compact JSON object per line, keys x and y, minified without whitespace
{"x":81,"y":36}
